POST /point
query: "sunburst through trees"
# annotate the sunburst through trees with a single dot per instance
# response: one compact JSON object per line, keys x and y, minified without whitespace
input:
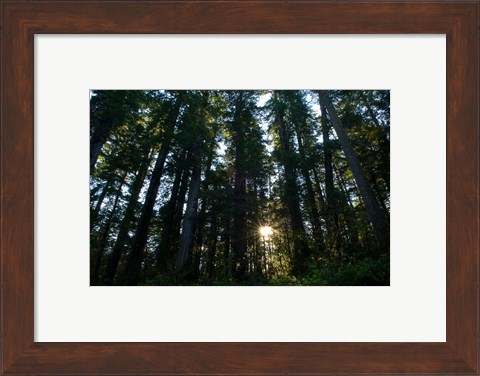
{"x":239,"y":187}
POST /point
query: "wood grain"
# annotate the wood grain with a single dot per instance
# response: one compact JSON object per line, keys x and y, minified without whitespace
{"x":21,"y":20}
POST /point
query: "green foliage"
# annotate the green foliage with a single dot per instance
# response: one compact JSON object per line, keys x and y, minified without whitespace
{"x":363,"y":271}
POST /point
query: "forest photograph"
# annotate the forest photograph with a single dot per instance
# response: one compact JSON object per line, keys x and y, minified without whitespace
{"x":239,"y":187}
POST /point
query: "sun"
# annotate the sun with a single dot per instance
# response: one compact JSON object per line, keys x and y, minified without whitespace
{"x":266,"y":231}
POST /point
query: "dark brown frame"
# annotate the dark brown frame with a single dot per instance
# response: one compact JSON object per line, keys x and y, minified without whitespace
{"x":459,"y":20}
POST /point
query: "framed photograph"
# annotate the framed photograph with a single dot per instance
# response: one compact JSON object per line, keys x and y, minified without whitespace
{"x":239,"y":188}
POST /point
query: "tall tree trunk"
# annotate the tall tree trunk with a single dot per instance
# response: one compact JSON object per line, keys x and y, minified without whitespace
{"x":350,"y":218}
{"x":292,"y":201}
{"x":380,"y":223}
{"x":163,"y":253}
{"x":190,"y":211}
{"x":321,"y":199}
{"x":239,"y":238}
{"x":200,"y":224}
{"x":106,"y":232}
{"x":311,"y":203}
{"x":343,"y":187}
{"x":134,"y":263}
{"x":128,"y":218}
{"x":330,"y":193}
{"x":174,"y":243}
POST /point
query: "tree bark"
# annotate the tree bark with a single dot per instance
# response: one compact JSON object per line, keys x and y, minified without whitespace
{"x":128,"y":218}
{"x":177,"y":219}
{"x":380,"y":223}
{"x":330,"y":193}
{"x":311,"y":203}
{"x":239,"y":238}
{"x":106,"y":232}
{"x":163,"y":253}
{"x":291,"y":198}
{"x":349,"y":211}
{"x":321,"y":199}
{"x":200,"y":223}
{"x":186,"y":239}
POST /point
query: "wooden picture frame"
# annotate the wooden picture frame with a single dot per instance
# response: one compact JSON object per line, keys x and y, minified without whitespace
{"x":21,"y":20}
